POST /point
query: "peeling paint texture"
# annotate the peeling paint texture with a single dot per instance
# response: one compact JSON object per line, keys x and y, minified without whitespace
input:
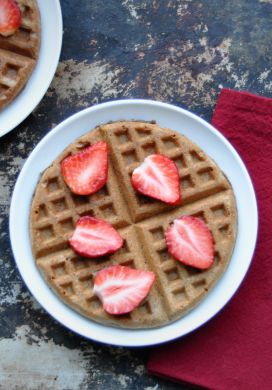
{"x":182,"y":52}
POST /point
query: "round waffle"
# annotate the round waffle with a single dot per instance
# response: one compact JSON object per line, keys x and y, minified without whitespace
{"x":141,"y":221}
{"x":19,"y":53}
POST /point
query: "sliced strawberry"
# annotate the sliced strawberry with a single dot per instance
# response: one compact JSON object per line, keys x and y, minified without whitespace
{"x":121,"y":289}
{"x":95,"y":237}
{"x":158,"y":177}
{"x":10,"y":17}
{"x":87,"y":171}
{"x":190,"y":241}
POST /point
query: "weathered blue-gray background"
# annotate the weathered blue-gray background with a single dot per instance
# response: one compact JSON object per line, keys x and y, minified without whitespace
{"x":178,"y":51}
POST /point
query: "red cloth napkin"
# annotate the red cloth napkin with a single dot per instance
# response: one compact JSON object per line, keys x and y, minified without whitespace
{"x":234,"y":350}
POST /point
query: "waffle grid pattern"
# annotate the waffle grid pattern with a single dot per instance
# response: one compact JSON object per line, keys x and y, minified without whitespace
{"x":139,"y":220}
{"x":19,"y":52}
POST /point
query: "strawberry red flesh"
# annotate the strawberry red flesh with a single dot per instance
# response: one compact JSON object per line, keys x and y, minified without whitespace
{"x":121,"y":289}
{"x":158,"y":178}
{"x":94,"y":238}
{"x":87,"y":171}
{"x":190,"y":241}
{"x":10,"y":17}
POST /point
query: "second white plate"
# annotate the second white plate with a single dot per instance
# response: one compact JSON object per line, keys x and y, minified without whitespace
{"x":39,"y":81}
{"x":210,"y":140}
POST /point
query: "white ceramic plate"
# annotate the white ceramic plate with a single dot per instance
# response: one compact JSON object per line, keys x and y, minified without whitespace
{"x":213,"y":143}
{"x":39,"y":81}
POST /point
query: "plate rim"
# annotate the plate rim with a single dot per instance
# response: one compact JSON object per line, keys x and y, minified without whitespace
{"x":31,"y":108}
{"x":59,"y":128}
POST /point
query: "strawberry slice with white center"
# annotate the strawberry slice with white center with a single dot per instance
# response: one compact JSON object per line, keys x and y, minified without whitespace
{"x":190,"y":241}
{"x":87,"y":171}
{"x":158,"y":178}
{"x":121,"y":289}
{"x":10,"y":17}
{"x":94,"y":238}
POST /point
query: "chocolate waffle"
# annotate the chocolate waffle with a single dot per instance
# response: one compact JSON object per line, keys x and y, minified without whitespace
{"x":141,"y":221}
{"x":19,"y":53}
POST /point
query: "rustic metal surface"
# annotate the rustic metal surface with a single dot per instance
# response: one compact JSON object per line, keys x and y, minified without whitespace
{"x":178,"y":51}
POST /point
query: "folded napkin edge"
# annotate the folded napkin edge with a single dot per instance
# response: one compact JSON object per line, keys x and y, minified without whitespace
{"x":189,"y":382}
{"x":244,"y":100}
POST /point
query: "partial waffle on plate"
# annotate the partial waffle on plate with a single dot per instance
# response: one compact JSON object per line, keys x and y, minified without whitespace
{"x":19,"y":53}
{"x":141,"y":221}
